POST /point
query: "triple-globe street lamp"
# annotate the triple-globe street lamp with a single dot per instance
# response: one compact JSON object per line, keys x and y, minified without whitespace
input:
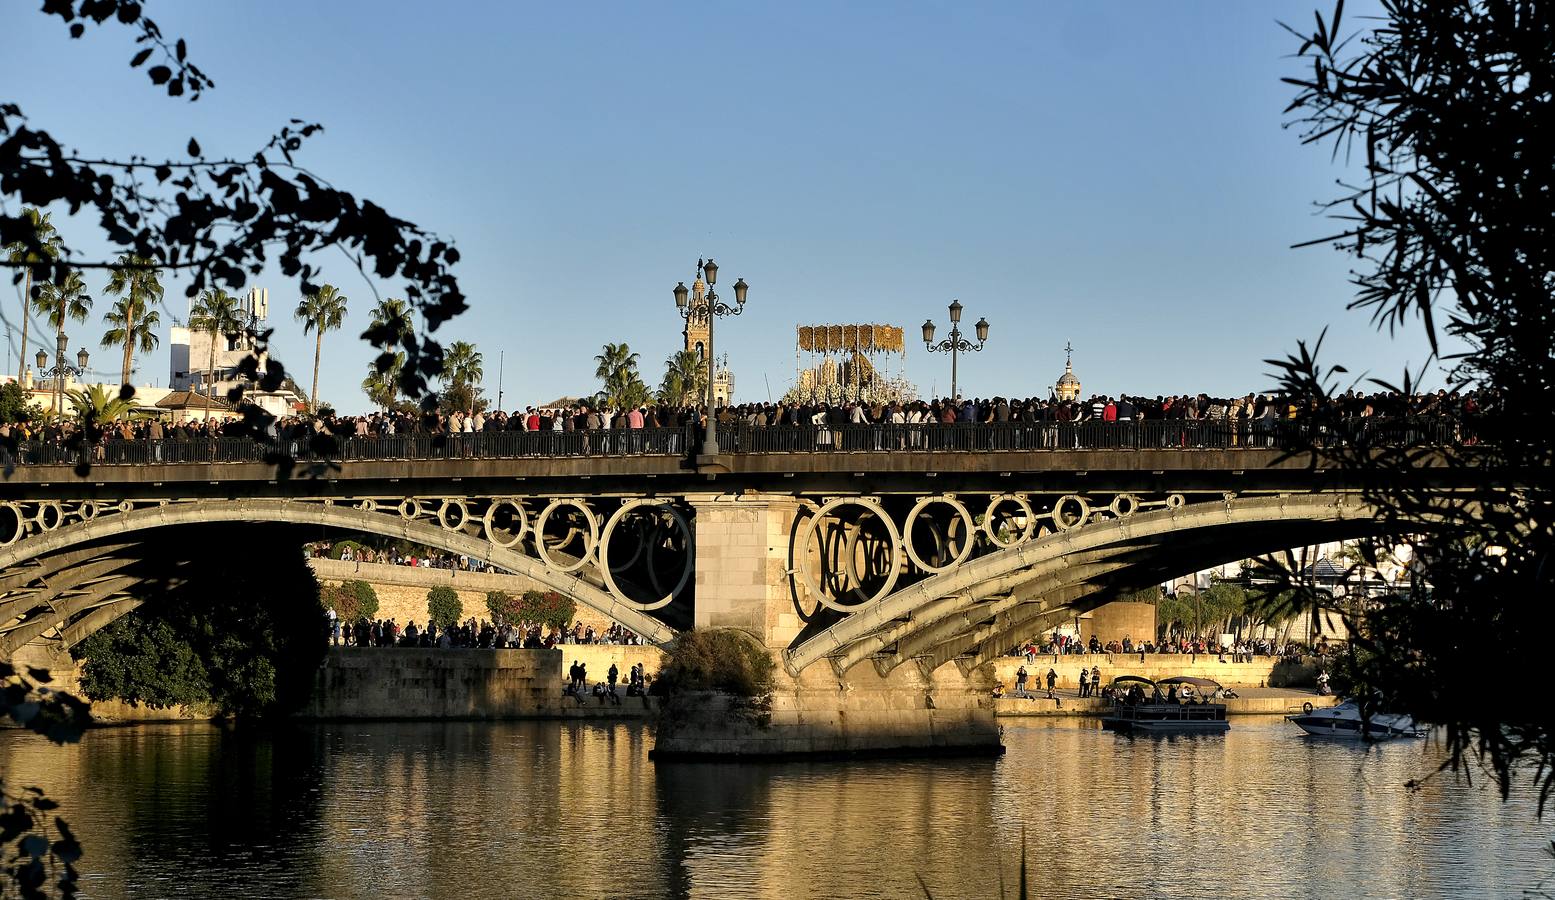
{"x":955,"y":344}
{"x":706,"y":309}
{"x":60,"y":369}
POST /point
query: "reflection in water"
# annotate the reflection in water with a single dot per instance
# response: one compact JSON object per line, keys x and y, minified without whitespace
{"x":576,"y":810}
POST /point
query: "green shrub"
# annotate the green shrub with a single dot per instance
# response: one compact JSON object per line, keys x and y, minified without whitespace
{"x":716,"y":659}
{"x":444,"y":607}
{"x":351,"y":600}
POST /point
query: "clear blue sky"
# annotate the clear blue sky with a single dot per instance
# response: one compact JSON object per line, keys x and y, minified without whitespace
{"x":1114,"y":174}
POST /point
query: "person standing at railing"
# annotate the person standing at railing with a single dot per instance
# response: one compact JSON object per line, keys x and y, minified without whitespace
{"x":635,"y":422}
{"x":154,"y":435}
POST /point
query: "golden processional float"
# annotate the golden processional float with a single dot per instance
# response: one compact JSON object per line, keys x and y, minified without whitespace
{"x":850,"y":363}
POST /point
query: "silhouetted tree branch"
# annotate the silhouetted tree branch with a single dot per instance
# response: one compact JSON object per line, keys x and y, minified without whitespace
{"x":1446,"y":107}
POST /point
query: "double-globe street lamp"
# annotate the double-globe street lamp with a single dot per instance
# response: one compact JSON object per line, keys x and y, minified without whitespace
{"x":706,"y":308}
{"x":61,"y":368}
{"x":955,"y":344}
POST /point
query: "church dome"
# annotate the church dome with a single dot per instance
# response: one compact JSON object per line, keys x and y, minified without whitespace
{"x":1068,"y":386}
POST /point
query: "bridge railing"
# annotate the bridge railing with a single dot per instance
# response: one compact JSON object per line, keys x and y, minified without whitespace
{"x":969,"y":437}
{"x":481,"y":445}
{"x":743,"y":438}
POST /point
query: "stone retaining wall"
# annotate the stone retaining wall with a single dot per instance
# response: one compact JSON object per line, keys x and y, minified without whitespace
{"x":402,"y":683}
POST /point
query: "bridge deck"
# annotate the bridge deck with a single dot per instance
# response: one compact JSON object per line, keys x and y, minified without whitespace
{"x":849,"y":472}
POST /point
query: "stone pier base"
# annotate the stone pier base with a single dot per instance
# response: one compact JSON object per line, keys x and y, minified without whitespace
{"x":906,"y":714}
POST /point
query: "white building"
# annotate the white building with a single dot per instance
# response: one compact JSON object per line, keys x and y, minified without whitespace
{"x":190,"y":376}
{"x":190,"y":362}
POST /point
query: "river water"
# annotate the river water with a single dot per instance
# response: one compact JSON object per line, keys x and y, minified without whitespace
{"x":551,"y":809}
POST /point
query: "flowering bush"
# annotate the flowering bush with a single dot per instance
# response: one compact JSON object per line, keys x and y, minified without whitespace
{"x":504,"y":608}
{"x":351,"y":600}
{"x":548,"y":608}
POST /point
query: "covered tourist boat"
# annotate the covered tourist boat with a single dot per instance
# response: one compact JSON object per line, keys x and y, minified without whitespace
{"x":1345,"y":721}
{"x":1171,"y":705}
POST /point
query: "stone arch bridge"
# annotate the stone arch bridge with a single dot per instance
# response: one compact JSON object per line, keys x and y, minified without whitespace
{"x":848,"y":566}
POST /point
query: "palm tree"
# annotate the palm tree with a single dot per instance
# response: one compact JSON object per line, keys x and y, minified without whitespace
{"x":461,"y":372}
{"x":394,"y":313}
{"x":96,"y":405}
{"x":214,"y":312}
{"x":383,"y":388}
{"x":61,"y":301}
{"x":132,"y":320}
{"x":321,"y":311}
{"x":68,"y":300}
{"x":612,"y":360}
{"x":630,"y":392}
{"x":18,"y":255}
{"x":617,"y":366}
{"x":462,"y":364}
{"x":685,"y":379}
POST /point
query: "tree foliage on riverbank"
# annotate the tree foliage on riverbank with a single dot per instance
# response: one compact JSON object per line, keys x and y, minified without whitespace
{"x":716,"y":659}
{"x":1448,"y":213}
{"x":705,"y":664}
{"x":241,"y":643}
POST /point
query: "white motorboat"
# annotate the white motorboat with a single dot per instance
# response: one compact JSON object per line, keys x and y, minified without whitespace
{"x":1345,"y":721}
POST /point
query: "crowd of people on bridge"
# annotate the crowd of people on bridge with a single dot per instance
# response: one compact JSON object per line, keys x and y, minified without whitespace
{"x":1250,"y":420}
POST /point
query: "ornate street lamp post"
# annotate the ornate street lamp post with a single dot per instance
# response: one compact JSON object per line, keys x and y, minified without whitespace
{"x":61,"y":368}
{"x":954,"y":345}
{"x":706,"y":308}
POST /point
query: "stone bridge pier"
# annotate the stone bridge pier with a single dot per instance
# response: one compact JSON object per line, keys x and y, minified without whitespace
{"x":743,"y":568}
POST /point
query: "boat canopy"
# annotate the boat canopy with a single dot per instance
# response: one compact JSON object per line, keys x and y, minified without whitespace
{"x":1189,"y":679}
{"x":1132,"y":679}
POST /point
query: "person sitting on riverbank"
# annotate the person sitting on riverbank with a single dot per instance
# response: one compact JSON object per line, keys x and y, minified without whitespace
{"x":636,"y":681}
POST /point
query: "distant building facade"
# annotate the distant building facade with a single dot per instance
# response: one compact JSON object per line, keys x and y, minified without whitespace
{"x":190,"y":368}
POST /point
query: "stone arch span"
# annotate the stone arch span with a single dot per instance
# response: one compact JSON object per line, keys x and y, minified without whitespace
{"x":955,"y":602}
{"x":132,"y":522}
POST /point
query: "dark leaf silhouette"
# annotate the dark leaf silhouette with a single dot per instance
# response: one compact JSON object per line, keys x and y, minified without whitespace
{"x":1450,"y":223}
